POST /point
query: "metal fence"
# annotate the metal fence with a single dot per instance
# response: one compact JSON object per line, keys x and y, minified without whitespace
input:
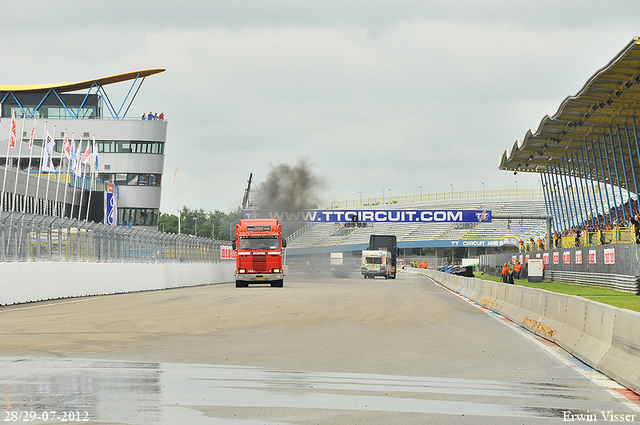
{"x":28,"y":237}
{"x":512,"y":194}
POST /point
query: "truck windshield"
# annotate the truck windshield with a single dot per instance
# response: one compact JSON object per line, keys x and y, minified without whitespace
{"x":374,"y":260}
{"x":247,"y":243}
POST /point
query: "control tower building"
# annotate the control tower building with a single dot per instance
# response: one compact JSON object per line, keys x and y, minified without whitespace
{"x":130,"y":149}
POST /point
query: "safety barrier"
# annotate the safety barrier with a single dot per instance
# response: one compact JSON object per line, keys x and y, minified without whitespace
{"x":604,"y":337}
{"x":622,"y":283}
{"x":40,"y":281}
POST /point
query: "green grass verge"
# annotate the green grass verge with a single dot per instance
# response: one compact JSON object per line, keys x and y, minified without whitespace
{"x":602,"y":295}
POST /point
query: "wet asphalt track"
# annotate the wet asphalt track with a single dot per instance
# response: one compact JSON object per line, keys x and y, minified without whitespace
{"x":319,"y":350}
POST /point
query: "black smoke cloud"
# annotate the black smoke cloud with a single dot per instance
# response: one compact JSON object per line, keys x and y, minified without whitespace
{"x":290,"y":187}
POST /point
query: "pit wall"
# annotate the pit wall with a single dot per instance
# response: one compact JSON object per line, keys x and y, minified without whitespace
{"x":28,"y":282}
{"x":604,"y":337}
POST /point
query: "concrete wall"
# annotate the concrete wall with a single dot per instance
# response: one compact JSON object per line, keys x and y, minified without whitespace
{"x":604,"y":337}
{"x":27,"y":282}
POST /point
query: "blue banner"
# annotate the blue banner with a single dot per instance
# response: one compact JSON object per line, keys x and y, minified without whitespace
{"x":375,"y":216}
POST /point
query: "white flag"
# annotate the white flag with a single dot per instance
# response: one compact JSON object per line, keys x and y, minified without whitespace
{"x":65,"y":147}
{"x":87,"y":153}
{"x":95,"y":154}
{"x":78,"y":160}
{"x":74,"y":155}
{"x":47,"y":163}
{"x":14,"y":133}
{"x":33,"y":134}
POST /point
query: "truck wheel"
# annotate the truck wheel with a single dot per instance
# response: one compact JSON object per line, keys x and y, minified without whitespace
{"x":239,"y":284}
{"x":277,"y":283}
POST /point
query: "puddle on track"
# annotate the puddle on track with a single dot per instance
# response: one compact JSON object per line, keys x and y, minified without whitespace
{"x":162,"y":393}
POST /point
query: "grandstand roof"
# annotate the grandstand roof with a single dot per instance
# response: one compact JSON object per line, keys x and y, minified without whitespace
{"x":80,"y":85}
{"x":603,"y":113}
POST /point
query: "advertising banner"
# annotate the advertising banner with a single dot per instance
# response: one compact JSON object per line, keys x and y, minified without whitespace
{"x":592,"y":256}
{"x":610,"y":256}
{"x":111,"y":207}
{"x":374,"y":216}
{"x":227,"y":253}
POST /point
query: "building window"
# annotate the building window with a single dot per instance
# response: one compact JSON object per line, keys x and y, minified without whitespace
{"x":121,"y":146}
{"x":131,"y":179}
{"x":138,"y":216}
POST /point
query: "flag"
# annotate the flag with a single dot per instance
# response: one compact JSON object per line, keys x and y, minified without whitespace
{"x":175,"y":173}
{"x":65,"y":147}
{"x":95,"y":153}
{"x":47,"y":163}
{"x":87,"y":154}
{"x":74,"y":155}
{"x":14,"y":133}
{"x":33,"y":134}
{"x":78,"y":161}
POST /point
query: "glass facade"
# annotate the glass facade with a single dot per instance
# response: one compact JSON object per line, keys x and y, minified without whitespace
{"x":138,"y":216}
{"x":132,"y":179}
{"x":128,"y":146}
{"x":49,"y":107}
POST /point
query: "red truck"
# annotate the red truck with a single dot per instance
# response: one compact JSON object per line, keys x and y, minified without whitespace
{"x":260,"y":251}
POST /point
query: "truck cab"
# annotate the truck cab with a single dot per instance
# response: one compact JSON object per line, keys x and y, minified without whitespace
{"x":260,"y":251}
{"x":375,"y":263}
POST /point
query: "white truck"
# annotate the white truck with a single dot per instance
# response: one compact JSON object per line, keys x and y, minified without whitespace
{"x":376,"y":263}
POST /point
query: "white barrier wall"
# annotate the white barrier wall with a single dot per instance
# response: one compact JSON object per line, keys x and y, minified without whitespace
{"x":27,"y":282}
{"x":606,"y":338}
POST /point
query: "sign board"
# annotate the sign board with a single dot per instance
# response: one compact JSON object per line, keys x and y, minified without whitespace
{"x":535,"y":270}
{"x":374,"y":216}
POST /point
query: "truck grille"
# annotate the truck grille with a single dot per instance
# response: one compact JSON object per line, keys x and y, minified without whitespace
{"x":260,"y":263}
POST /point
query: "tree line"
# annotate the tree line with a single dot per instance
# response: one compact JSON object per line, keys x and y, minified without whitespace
{"x":217,"y":224}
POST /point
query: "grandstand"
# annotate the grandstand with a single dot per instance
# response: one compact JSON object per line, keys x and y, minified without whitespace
{"x":325,"y":237}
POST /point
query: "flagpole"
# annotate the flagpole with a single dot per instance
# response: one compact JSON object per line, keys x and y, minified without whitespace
{"x":6,"y":164}
{"x":91,"y":167}
{"x":67,"y":180}
{"x":81,"y":189}
{"x":55,"y":204}
{"x":15,"y":186}
{"x":75,"y":174}
{"x":179,"y":206}
{"x":44,"y":136}
{"x":26,"y":189}
{"x":46,"y":195}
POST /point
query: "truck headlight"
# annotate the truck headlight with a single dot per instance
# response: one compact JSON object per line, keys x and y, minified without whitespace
{"x":276,"y":270}
{"x":242,"y":270}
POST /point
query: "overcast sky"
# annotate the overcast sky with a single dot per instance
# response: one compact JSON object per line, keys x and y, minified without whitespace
{"x":373,"y":94}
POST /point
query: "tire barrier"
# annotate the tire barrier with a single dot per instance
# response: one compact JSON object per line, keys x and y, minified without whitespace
{"x":604,"y":337}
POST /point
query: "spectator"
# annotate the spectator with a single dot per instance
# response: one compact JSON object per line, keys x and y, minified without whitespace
{"x":161,"y":116}
{"x":150,"y":116}
{"x":505,"y":273}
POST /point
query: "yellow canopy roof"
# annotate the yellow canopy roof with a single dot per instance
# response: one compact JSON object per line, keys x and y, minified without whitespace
{"x":80,"y":85}
{"x":606,"y":107}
